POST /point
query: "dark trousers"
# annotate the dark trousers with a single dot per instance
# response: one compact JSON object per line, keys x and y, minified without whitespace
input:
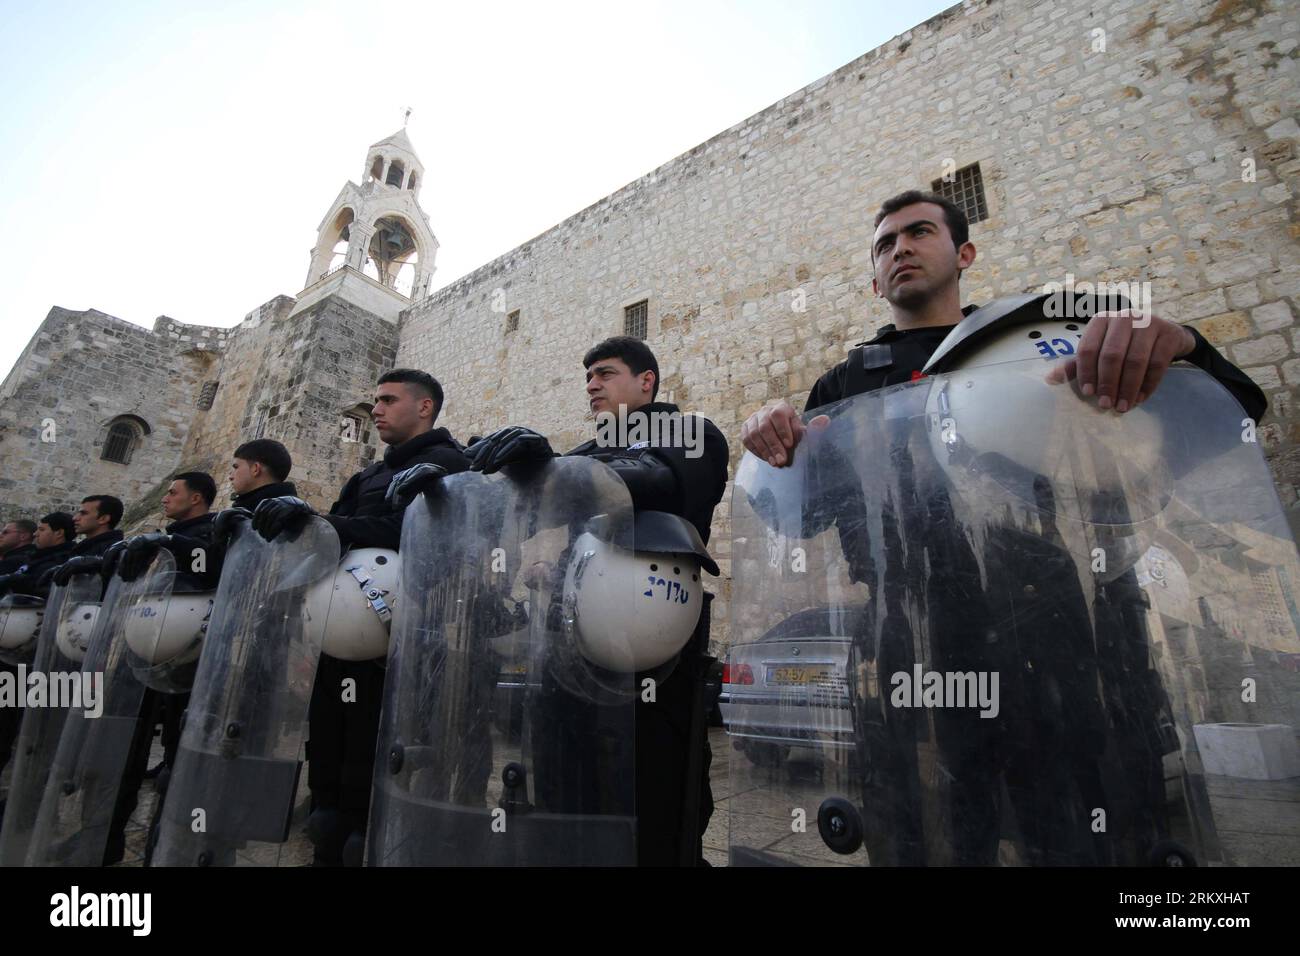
{"x":667,"y":732}
{"x":10,"y":718}
{"x":342,"y":737}
{"x":155,"y":708}
{"x":137,"y":762}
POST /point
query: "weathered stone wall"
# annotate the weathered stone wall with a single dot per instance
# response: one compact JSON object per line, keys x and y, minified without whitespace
{"x":1123,"y":141}
{"x":1122,"y":163}
{"x":202,"y":391}
{"x":81,"y":371}
{"x":345,"y":349}
{"x":243,"y":377}
{"x":291,"y":375}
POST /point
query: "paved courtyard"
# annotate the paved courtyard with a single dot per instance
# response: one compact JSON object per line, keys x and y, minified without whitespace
{"x":1258,"y":822}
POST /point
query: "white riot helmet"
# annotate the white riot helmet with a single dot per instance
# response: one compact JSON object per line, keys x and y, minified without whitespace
{"x":354,"y":606}
{"x":73,"y":634}
{"x":991,"y":412}
{"x":635,"y":610}
{"x":20,"y":625}
{"x":166,"y":635}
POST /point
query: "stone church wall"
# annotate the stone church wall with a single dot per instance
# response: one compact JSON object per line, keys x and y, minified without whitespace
{"x":753,"y":250}
{"x":81,"y":371}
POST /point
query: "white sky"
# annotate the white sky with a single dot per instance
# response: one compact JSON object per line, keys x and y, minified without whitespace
{"x":176,"y":157}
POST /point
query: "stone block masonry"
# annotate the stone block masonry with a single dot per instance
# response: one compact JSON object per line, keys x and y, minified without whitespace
{"x":81,"y":372}
{"x":1135,"y":141}
{"x":1122,"y":141}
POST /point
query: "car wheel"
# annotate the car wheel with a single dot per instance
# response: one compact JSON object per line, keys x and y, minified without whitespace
{"x":766,"y":755}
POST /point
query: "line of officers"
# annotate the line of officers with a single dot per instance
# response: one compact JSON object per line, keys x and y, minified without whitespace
{"x":346,"y":702}
{"x":920,"y":248}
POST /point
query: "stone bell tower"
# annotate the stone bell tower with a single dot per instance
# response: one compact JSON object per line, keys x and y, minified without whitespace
{"x":375,"y":247}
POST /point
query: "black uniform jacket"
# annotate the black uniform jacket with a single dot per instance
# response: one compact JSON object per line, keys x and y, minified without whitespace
{"x":97,"y":545}
{"x":26,"y":579}
{"x":895,"y":356}
{"x":16,"y":558}
{"x":699,"y":481}
{"x":188,"y":536}
{"x":276,"y":489}
{"x":362,"y":517}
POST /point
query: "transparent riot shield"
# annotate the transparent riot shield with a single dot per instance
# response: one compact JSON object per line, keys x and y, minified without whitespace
{"x":166,"y":659}
{"x":38,"y":738}
{"x":76,"y":812}
{"x":980,"y":622}
{"x":501,"y":744}
{"x":235,"y":776}
{"x":20,"y":626}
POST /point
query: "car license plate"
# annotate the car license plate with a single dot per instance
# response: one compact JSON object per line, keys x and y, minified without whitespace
{"x":799,"y":673}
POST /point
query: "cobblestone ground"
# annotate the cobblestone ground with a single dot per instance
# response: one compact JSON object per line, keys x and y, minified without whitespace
{"x":1253,"y":828}
{"x":297,"y":852}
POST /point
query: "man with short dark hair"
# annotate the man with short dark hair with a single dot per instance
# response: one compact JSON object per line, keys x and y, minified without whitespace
{"x":186,"y":503}
{"x":96,"y":520}
{"x":259,"y":470}
{"x":51,"y":544}
{"x":189,"y":538}
{"x":192,"y":483}
{"x":16,"y":544}
{"x":342,"y":734}
{"x":980,"y":607}
{"x":920,"y":249}
{"x":681,"y":479}
{"x":53,"y":540}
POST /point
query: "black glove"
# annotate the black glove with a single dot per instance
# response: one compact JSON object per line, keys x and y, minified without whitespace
{"x":110,"y":559}
{"x":407,"y":485}
{"x":509,"y":446}
{"x":46,"y":579}
{"x":281,"y":514}
{"x":224,"y":525}
{"x":82,"y":564}
{"x":139,"y":554}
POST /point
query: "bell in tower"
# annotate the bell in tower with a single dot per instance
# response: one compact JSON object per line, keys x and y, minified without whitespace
{"x":376,"y":233}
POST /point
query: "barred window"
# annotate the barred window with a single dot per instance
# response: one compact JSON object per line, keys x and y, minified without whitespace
{"x":634,"y":319}
{"x":966,"y":190}
{"x":354,"y":424}
{"x":259,"y":421}
{"x":512,"y":321}
{"x":123,"y":438}
{"x":207,"y":395}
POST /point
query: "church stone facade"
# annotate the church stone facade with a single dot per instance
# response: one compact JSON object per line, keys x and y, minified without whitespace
{"x":1123,"y":141}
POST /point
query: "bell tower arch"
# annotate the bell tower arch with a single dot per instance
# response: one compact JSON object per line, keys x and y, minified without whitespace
{"x":377,"y":229}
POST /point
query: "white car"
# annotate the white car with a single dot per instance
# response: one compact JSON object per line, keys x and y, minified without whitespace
{"x":788,"y":690}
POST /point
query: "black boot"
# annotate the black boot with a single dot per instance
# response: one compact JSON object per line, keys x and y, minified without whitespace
{"x":354,"y":849}
{"x":328,"y":832}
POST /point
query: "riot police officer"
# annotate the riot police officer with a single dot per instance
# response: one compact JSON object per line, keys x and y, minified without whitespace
{"x":1024,"y":581}
{"x":678,"y":468}
{"x":348,"y":695}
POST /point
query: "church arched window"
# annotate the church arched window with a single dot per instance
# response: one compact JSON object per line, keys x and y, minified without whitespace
{"x":124,"y":436}
{"x":341,"y":231}
{"x":396,"y":172}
